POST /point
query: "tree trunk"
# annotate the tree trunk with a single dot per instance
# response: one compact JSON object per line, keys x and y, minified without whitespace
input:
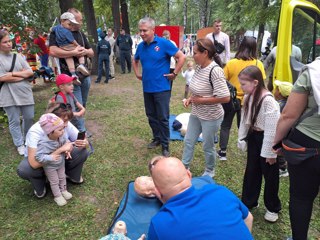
{"x":125,"y":17}
{"x":185,"y":15}
{"x":203,"y":12}
{"x":65,"y":5}
{"x":261,"y":28}
{"x":92,"y":30}
{"x":168,"y":12}
{"x":116,"y":17}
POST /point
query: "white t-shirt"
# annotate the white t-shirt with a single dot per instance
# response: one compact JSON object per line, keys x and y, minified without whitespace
{"x":222,"y":38}
{"x":35,"y":133}
{"x":188,"y":75}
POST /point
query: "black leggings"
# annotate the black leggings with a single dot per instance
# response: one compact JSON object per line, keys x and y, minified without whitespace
{"x":304,"y":187}
{"x":256,"y":168}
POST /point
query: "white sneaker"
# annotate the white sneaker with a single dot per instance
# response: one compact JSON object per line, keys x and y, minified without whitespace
{"x":283,"y":173}
{"x":20,"y":150}
{"x":61,"y":201}
{"x":271,"y":216}
{"x":66,"y":195}
{"x":208,"y":172}
{"x":81,"y":68}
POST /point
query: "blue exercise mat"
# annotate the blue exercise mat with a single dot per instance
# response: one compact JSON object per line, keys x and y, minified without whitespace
{"x":137,"y":211}
{"x":175,"y":135}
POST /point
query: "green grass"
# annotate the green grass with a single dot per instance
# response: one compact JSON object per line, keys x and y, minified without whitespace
{"x":115,"y":115}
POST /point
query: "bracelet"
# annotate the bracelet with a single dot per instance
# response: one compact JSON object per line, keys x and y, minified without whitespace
{"x":175,"y":74}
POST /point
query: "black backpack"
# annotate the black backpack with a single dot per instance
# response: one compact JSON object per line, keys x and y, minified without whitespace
{"x":234,"y":103}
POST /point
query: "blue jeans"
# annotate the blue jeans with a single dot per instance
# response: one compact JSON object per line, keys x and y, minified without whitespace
{"x":103,"y":58}
{"x":209,"y":129}
{"x":81,"y":92}
{"x":44,"y":60}
{"x":17,"y":131}
{"x":157,"y":111}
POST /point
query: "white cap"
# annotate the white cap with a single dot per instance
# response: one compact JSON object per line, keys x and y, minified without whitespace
{"x":69,"y":16}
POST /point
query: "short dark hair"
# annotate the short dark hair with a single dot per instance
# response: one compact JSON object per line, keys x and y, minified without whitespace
{"x":218,"y":20}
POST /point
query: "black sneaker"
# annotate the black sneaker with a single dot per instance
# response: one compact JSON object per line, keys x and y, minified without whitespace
{"x":106,"y":81}
{"x":153,"y":144}
{"x":42,"y":195}
{"x":165,"y":152}
{"x":111,"y":77}
{"x":222,"y":154}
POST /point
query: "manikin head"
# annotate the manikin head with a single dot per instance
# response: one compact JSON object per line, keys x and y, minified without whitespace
{"x":144,"y":186}
{"x":120,"y":227}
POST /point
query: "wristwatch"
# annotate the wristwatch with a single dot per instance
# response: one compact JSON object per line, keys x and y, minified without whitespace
{"x":175,"y":74}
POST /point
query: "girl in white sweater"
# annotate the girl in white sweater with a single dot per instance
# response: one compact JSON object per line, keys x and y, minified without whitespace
{"x":259,"y":117}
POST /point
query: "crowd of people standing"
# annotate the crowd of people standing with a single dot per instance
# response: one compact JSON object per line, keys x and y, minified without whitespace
{"x":261,"y":127}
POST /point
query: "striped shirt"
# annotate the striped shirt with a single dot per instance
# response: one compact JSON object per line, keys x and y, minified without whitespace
{"x":200,"y":86}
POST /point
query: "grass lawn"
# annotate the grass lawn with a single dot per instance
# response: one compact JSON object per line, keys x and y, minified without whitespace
{"x":115,"y":115}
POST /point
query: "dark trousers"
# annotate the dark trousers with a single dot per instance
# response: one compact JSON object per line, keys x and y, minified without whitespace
{"x":304,"y":187}
{"x":226,"y":126}
{"x":125,"y":57}
{"x":37,"y":176}
{"x":103,"y":59}
{"x":157,"y":111}
{"x":256,"y":168}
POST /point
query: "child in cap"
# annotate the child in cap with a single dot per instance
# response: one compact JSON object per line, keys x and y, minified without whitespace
{"x":51,"y":151}
{"x":65,"y":95}
{"x":66,"y":41}
{"x":188,"y":74}
{"x":281,"y":94}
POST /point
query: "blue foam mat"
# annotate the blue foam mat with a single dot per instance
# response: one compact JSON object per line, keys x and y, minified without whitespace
{"x":175,"y":135}
{"x":137,"y":211}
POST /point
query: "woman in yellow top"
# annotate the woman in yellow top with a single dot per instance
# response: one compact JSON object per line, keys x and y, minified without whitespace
{"x":245,"y":56}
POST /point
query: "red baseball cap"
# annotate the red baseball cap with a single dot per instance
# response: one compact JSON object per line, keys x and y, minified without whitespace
{"x":63,"y":79}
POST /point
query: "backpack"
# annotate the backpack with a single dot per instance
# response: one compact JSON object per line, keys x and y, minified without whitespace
{"x":234,"y":103}
{"x":54,"y":98}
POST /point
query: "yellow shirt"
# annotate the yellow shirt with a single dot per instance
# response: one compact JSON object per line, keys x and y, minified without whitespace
{"x":234,"y":67}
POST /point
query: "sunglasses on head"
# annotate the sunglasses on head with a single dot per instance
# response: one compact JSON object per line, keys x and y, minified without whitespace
{"x":64,"y":106}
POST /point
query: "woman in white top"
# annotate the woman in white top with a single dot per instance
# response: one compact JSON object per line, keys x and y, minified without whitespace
{"x":16,"y":96}
{"x":206,"y":98}
{"x":31,"y":170}
{"x":259,"y":117}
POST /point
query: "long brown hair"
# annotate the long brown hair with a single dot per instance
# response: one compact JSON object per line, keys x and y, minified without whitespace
{"x":247,"y":49}
{"x":206,"y":44}
{"x":250,"y":74}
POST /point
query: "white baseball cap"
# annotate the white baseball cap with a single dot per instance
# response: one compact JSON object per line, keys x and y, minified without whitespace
{"x":69,"y":16}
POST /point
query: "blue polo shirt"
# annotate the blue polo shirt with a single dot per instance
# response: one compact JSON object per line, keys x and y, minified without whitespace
{"x":155,"y":61}
{"x":212,"y":212}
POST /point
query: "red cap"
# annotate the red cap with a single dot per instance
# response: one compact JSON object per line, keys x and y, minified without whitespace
{"x":63,"y":79}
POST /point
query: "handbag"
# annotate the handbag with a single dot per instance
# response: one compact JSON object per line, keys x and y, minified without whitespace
{"x":295,"y":153}
{"x":219,"y":47}
{"x":11,"y":68}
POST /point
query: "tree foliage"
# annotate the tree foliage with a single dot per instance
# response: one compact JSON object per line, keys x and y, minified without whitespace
{"x":37,"y":14}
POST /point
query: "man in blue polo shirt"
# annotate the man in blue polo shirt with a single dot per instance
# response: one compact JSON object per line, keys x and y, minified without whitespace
{"x":154,"y":53}
{"x":211,"y":212}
